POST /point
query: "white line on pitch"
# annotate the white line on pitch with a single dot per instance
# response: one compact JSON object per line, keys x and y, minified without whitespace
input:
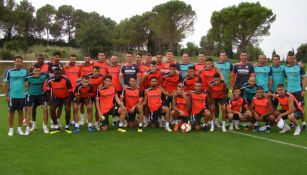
{"x":270,"y":140}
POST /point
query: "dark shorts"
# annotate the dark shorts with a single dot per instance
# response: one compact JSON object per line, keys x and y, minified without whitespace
{"x":16,"y":104}
{"x":36,"y":100}
{"x":265,"y":118}
{"x":167,"y":100}
{"x":60,"y":101}
{"x":197,"y":118}
{"x":274,"y":102}
{"x":81,"y":100}
{"x":112,"y":111}
{"x":299,"y":98}
{"x":297,"y":114}
{"x":155,"y":115}
{"x":220,"y":101}
{"x":131,"y":116}
{"x":184,"y":119}
{"x":236,"y":117}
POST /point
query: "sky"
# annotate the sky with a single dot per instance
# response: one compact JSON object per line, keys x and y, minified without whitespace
{"x":288,"y":31}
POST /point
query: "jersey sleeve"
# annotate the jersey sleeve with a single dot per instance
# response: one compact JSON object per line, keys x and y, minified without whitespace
{"x":7,"y":76}
{"x":302,"y":72}
{"x":231,"y":67}
{"x":68,"y":85}
{"x":270,"y":72}
{"x":235,"y":69}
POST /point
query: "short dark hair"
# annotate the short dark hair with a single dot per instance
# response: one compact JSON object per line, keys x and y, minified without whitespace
{"x":96,"y":67}
{"x":160,"y":53}
{"x":128,"y":52}
{"x":36,"y":66}
{"x":223,"y":51}
{"x":209,"y":59}
{"x":73,"y":55}
{"x":201,"y":53}
{"x":216,"y":75}
{"x":57,"y":53}
{"x":276,"y":55}
{"x":290,"y":53}
{"x":280,"y":86}
{"x":40,"y":56}
{"x":18,"y":57}
{"x":153,"y":62}
{"x":173,"y":65}
{"x":191,"y":67}
{"x":236,"y":88}
{"x":243,"y":51}
{"x":148,"y":54}
{"x":170,"y":50}
{"x":139,"y":54}
{"x":86,"y":77}
{"x":107,"y":76}
{"x":259,"y":88}
{"x":154,"y":77}
{"x":57,"y":69}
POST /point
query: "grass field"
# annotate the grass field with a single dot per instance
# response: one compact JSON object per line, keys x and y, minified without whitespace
{"x":152,"y":152}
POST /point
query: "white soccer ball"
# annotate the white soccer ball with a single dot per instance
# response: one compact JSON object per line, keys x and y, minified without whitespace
{"x":186,"y":127}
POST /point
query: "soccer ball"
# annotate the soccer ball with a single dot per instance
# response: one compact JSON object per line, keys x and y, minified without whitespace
{"x":186,"y":127}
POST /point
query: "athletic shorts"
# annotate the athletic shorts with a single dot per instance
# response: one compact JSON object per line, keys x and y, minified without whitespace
{"x":220,"y":101}
{"x":197,"y":118}
{"x":154,"y":115}
{"x":112,"y":111}
{"x":81,"y":100}
{"x":37,"y":100}
{"x":184,"y":119}
{"x":16,"y":104}
{"x":59,"y":101}
{"x":298,"y":96}
{"x":297,"y":114}
{"x":131,"y":116}
{"x":236,"y":117}
{"x":167,"y":100}
{"x":265,"y":118}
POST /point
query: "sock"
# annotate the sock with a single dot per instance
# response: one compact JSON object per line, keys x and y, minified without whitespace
{"x":120,"y":125}
{"x":216,"y":120}
{"x":33,"y":123}
{"x":28,"y":128}
{"x":140,"y":125}
{"x":176,"y":122}
{"x":166,"y":124}
{"x":66,"y":126}
{"x":19,"y":128}
{"x":56,"y":127}
{"x":303,"y":123}
{"x":76,"y":125}
{"x":211,"y":122}
{"x":90,"y":124}
{"x":82,"y":116}
{"x":11,"y":129}
{"x":223,"y":122}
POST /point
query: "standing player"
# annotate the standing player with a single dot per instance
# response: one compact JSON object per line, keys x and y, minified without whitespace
{"x":72,"y":70}
{"x":218,"y":91}
{"x":200,"y":102}
{"x":101,"y":63}
{"x":224,"y":66}
{"x":190,"y":80}
{"x":185,"y":64}
{"x":169,"y":83}
{"x":159,"y":59}
{"x":291,"y":110}
{"x":207,"y":73}
{"x":263,"y":74}
{"x":278,"y":76}
{"x":59,"y":91}
{"x":35,"y":95}
{"x":106,"y":94}
{"x":170,"y":60}
{"x":55,"y":64}
{"x":14,"y":92}
{"x":152,"y":98}
{"x":132,"y":98}
{"x":114,"y":70}
{"x":201,"y":62}
{"x":153,"y":72}
{"x":129,"y":70}
{"x":181,"y":105}
{"x":296,"y":81}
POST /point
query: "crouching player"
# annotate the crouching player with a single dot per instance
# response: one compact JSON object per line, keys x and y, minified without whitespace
{"x":291,"y":109}
{"x":262,"y":110}
{"x":234,"y":107}
{"x":105,"y":96}
{"x":181,"y":105}
{"x":199,"y":103}
{"x":82,"y":95}
{"x":153,"y":99}
{"x":132,"y":98}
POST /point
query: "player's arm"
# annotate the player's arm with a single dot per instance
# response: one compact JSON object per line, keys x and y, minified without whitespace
{"x":121,"y":77}
{"x":165,"y":92}
{"x":145,"y":99}
{"x":219,"y":72}
{"x":271,"y":109}
{"x":188,"y":99}
{"x":97,"y":103}
{"x":174,"y":104}
{"x":290,"y":110}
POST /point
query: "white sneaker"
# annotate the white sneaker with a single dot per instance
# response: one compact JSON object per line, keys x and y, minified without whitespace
{"x":146,"y":121}
{"x":167,"y":128}
{"x":46,"y":130}
{"x":52,"y":126}
{"x":97,"y":126}
{"x":285,"y":129}
{"x":237,"y":125}
{"x":27,"y":131}
{"x":216,"y":123}
{"x":231,"y":126}
{"x":81,"y":121}
{"x":224,"y":128}
{"x":297,"y":131}
{"x":10,"y":133}
{"x":125,"y":124}
{"x":212,"y":128}
{"x":263,"y":128}
{"x":20,"y":132}
{"x":33,"y":127}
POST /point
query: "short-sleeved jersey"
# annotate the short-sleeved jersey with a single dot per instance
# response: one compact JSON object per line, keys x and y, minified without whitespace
{"x":83,"y":91}
{"x":131,"y":97}
{"x":95,"y":81}
{"x":86,"y":69}
{"x":106,"y":97}
{"x":36,"y":84}
{"x":154,"y":99}
{"x":151,"y":74}
{"x":198,"y":101}
{"x":189,"y":82}
{"x":261,"y":105}
{"x":72,"y":73}
{"x":59,"y":87}
{"x":45,"y":68}
{"x":103,"y":66}
{"x":218,"y":90}
{"x":114,"y":71}
{"x":248,"y":92}
{"x":236,"y":104}
{"x":278,"y":76}
{"x":263,"y":74}
{"x":206,"y":76}
{"x":242,"y":72}
{"x":128,"y":71}
{"x":181,"y":104}
{"x":225,"y":68}
{"x":52,"y":66}
{"x":170,"y":82}
{"x":165,"y":65}
{"x":284,"y":102}
{"x":184,"y":68}
{"x":199,"y":66}
{"x":16,"y":79}
{"x":294,"y":75}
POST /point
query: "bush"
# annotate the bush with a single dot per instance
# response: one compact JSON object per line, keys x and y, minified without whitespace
{"x":16,"y":45}
{"x":6,"y":54}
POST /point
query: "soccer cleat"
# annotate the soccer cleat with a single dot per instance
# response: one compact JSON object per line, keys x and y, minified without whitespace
{"x":27,"y":132}
{"x":46,"y":130}
{"x":285,"y":129}
{"x":81,"y":121}
{"x":247,"y":128}
{"x":121,"y":130}
{"x":76,"y":130}
{"x":91,"y":129}
{"x":268,"y":129}
{"x":125,"y":124}
{"x":263,"y":128}
{"x":297,"y":131}
{"x":97,"y":126}
{"x":20,"y":132}
{"x":55,"y":131}
{"x":224,"y":128}
{"x":212,"y":128}
{"x":140,"y":129}
{"x":256,"y":128}
{"x":205,"y":128}
{"x":304,"y":127}
{"x":176,"y":127}
{"x":10,"y":133}
{"x":167,"y":128}
{"x":33,"y":127}
{"x":68,"y":131}
{"x":231,"y":126}
{"x":52,"y":126}
{"x":237,"y":125}
{"x":216,"y":123}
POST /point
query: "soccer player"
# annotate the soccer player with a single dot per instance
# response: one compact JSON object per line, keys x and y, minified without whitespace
{"x":190,"y":80}
{"x":159,"y":59}
{"x":181,"y":105}
{"x":132,"y":98}
{"x":248,"y":90}
{"x":59,"y":91}
{"x":101,"y":63}
{"x":86,"y":68}
{"x":169,"y":83}
{"x":105,"y":96}
{"x":262,"y":109}
{"x":14,"y":92}
{"x":114,"y":70}
{"x":263,"y":74}
{"x":72,"y":70}
{"x":185,"y":64}
{"x":152,"y":98}
{"x":207,"y":73}
{"x":278,"y":76}
{"x":170,"y":60}
{"x":291,"y":109}
{"x":200,"y":102}
{"x":153,"y":72}
{"x":201,"y":62}
{"x":35,"y":96}
{"x":129,"y":70}
{"x":224,"y":66}
{"x":55,"y":64}
{"x":218,"y":92}
{"x":82,"y":94}
{"x":241,"y":71}
{"x":297,"y":81}
{"x":235,"y":111}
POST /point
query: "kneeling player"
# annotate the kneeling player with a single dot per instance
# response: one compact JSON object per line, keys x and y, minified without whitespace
{"x":154,"y":102}
{"x":82,"y":95}
{"x":234,"y":107}
{"x":262,"y":109}
{"x":106,"y":94}
{"x":291,"y":109}
{"x":181,"y":106}
{"x":132,"y":98}
{"x":199,"y":102}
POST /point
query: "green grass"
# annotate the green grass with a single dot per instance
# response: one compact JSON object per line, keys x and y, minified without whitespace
{"x":152,"y":152}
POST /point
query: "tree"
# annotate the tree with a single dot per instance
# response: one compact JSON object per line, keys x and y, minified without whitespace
{"x":172,"y":21}
{"x":242,"y":25}
{"x":8,"y":18}
{"x":273,"y":53}
{"x":44,"y":17}
{"x":301,"y":53}
{"x":191,"y":49}
{"x":25,"y":23}
{"x":65,"y":21}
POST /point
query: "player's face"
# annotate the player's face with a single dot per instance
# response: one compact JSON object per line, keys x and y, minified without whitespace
{"x":185,"y":58}
{"x":179,"y":89}
{"x":276,"y":61}
{"x":209,"y":65}
{"x":114,"y":60}
{"x":138,"y":59}
{"x":57,"y":58}
{"x":96,"y":72}
{"x":85,"y":82}
{"x":159,"y":58}
{"x":170,"y":56}
{"x":18,"y":63}
{"x":153,"y":82}
{"x":261,"y":59}
{"x":36,"y":72}
{"x":129,"y":58}
{"x":57,"y":74}
{"x":107,"y":82}
{"x":132,"y":82}
{"x":172,"y":70}
{"x":222,"y":57}
{"x":87,"y":60}
{"x":40,"y":60}
{"x":148,"y":59}
{"x":236,"y":93}
{"x":101,"y":56}
{"x":72,"y":60}
{"x":191,"y":72}
{"x":260,"y":93}
{"x":291,"y":59}
{"x":252,"y":81}
{"x":280,"y":91}
{"x":197,"y":87}
{"x":243,"y":57}
{"x":217,"y":80}
{"x":153,"y":68}
{"x":201,"y":58}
